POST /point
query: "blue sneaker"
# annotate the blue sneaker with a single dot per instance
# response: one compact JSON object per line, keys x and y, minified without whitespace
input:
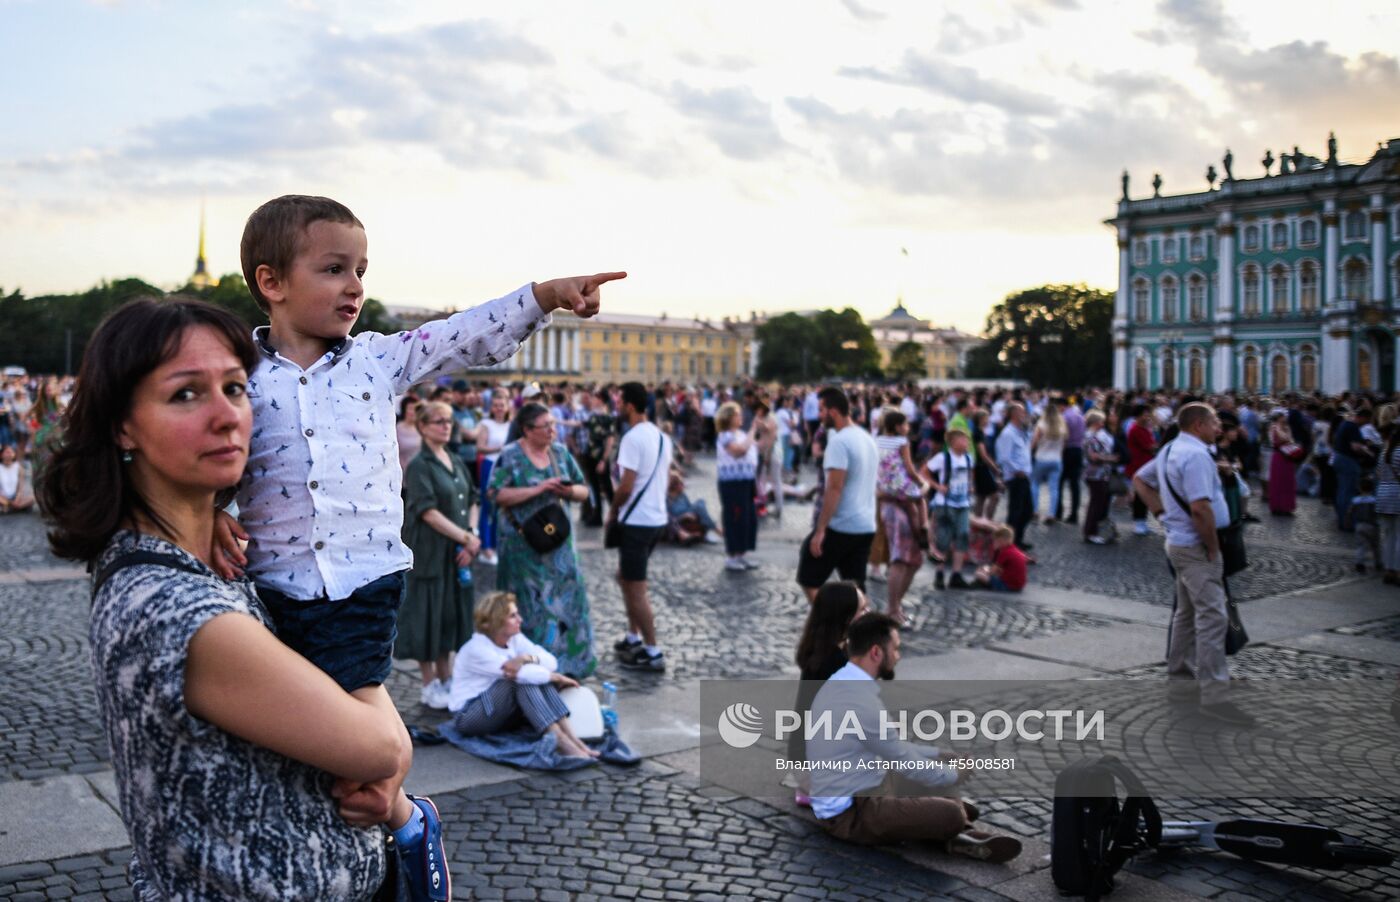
{"x":424,"y":862}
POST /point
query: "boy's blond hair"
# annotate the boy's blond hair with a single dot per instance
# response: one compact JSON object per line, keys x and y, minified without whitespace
{"x":1003,"y":532}
{"x":273,"y":235}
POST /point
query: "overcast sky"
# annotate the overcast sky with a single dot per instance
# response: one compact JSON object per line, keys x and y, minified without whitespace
{"x":732,"y":156}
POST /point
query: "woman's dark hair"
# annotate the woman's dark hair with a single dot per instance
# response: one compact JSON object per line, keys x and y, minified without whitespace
{"x":832,"y":611}
{"x":529,"y":415}
{"x":84,"y":490}
{"x":891,"y":420}
{"x":406,"y":400}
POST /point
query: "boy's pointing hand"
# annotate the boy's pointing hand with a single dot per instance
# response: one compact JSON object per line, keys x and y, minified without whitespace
{"x":577,"y":293}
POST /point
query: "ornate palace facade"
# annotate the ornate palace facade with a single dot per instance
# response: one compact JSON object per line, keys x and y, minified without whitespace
{"x":1290,"y":281}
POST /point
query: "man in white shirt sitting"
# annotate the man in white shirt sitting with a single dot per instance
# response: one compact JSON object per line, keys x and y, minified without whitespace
{"x":857,"y":804}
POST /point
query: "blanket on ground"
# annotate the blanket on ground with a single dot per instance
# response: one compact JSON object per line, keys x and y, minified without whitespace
{"x":521,"y":748}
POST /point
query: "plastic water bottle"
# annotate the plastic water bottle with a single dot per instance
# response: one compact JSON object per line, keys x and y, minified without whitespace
{"x":464,"y":574}
{"x":609,"y":705}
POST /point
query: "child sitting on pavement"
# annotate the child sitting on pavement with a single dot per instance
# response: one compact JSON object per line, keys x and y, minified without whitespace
{"x":319,"y":504}
{"x":1007,"y":572}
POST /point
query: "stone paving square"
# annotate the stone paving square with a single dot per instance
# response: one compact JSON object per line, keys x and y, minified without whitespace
{"x":659,"y":831}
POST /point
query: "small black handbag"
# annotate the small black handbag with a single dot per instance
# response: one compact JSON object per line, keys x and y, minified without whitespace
{"x":547,"y":528}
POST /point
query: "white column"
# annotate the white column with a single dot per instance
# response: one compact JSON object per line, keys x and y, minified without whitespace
{"x":531,"y":353}
{"x":1378,"y":273}
{"x":1330,"y":282}
{"x":549,"y":358}
{"x":1336,"y":324}
{"x":575,"y":337}
{"x":1222,"y":363}
{"x":1121,"y":374}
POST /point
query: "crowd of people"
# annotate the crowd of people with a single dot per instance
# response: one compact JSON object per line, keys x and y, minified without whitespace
{"x":248,"y":602}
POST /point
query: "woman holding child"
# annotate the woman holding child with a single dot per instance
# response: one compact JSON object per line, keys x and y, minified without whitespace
{"x":233,"y":754}
{"x":900,"y":493}
{"x":529,"y":475}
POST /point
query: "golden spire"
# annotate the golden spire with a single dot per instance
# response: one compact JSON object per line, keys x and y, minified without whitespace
{"x":201,"y":278}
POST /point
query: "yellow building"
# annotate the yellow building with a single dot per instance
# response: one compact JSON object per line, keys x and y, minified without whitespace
{"x":945,"y":350}
{"x":621,"y":347}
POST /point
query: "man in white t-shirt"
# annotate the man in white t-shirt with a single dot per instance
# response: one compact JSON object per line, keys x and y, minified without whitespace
{"x":846,"y":524}
{"x":951,"y":474}
{"x":639,"y":508}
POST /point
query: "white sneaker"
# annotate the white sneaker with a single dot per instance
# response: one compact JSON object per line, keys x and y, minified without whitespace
{"x":1140,"y":528}
{"x":733,"y":563}
{"x":434,"y":695}
{"x":712,"y":538}
{"x":876,"y":576}
{"x":748,"y":564}
{"x":488,"y":558}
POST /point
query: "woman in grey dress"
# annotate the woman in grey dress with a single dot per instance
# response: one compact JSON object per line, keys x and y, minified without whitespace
{"x":244,"y":772}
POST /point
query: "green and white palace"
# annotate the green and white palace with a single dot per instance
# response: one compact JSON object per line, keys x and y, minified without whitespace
{"x":1289,"y":281}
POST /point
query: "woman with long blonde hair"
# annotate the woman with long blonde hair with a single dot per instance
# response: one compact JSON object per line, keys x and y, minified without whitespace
{"x":1048,"y":447}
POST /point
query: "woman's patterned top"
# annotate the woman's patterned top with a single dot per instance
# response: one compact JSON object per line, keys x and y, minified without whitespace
{"x":210,"y":816}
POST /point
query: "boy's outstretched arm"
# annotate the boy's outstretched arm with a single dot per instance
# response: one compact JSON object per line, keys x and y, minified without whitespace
{"x":577,"y":293}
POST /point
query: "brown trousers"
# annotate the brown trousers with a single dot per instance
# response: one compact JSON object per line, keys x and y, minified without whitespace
{"x":890,"y":815}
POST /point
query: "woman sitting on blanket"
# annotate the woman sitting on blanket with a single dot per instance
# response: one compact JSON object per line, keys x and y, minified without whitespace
{"x":502,"y":679}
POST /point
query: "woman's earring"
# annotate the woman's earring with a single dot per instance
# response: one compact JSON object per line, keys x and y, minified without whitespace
{"x":126,"y":456}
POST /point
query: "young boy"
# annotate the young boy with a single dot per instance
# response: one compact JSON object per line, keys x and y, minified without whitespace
{"x":950,"y":473}
{"x":1362,"y":517}
{"x":319,"y":503}
{"x":1007,"y":572}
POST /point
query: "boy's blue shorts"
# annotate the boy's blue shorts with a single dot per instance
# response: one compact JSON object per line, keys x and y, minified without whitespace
{"x":352,"y":639}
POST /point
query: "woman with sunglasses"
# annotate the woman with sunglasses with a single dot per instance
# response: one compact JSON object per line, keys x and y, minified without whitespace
{"x":529,"y":475}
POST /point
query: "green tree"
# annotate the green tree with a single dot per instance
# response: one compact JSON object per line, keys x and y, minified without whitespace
{"x":846,"y":345}
{"x":787,"y":346}
{"x":906,"y":362}
{"x":1052,"y":336}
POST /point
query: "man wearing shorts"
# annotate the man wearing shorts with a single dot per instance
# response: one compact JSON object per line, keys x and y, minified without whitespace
{"x":644,"y":457}
{"x":846,"y":525}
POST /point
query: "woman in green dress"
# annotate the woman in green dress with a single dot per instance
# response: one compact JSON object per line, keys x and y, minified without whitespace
{"x":531,"y":473}
{"x":436,"y":618}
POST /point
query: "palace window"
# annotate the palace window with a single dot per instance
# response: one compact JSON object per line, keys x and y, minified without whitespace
{"x":709,"y":366}
{"x":707,"y":340}
{"x":1278,"y":373}
{"x":1251,"y":239}
{"x":641,"y":364}
{"x":607,"y":337}
{"x":1251,"y":373}
{"x":724,"y":366}
{"x":1363,"y":368}
{"x":1171,"y":298}
{"x":1140,"y":301}
{"x":1251,"y":291}
{"x":1196,"y":372}
{"x":1354,"y":280}
{"x":1197,"y":247}
{"x":675,"y":341}
{"x":676,"y":365}
{"x":1307,"y":233}
{"x":1169,"y":247}
{"x":642,"y":338}
{"x":587,"y":360}
{"x":622,"y":361}
{"x":692,"y":366}
{"x":1168,"y":370}
{"x":1307,"y":369}
{"x":1196,"y":297}
{"x":1279,"y":301}
{"x":622,"y":338}
{"x":1307,"y":286}
{"x":1140,"y":252}
{"x":1355,"y":226}
{"x":1140,"y":372}
{"x":1278,"y":235}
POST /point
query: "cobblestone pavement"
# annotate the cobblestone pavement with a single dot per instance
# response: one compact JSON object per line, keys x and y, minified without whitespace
{"x":655,"y":833}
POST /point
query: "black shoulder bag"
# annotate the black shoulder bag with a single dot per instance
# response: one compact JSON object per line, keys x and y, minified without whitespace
{"x":547,"y":528}
{"x":1232,"y":556}
{"x":612,"y":536}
